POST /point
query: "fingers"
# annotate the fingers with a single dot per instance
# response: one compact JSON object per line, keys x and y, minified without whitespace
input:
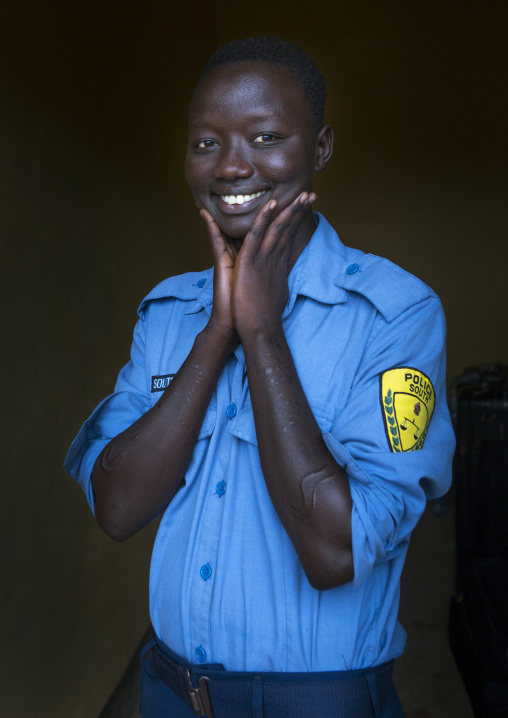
{"x":212,"y":227}
{"x":219,"y":245}
{"x":279,"y":231}
{"x":285,"y":225}
{"x":257,"y":232}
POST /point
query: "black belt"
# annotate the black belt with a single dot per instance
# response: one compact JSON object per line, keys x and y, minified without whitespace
{"x":216,"y":693}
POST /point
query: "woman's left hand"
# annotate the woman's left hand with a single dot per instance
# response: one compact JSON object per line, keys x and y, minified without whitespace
{"x":260,"y":278}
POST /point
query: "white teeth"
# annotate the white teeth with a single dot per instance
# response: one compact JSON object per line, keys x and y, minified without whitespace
{"x":240,"y":198}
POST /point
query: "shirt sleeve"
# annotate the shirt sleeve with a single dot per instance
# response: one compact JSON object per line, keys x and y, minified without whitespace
{"x":389,"y":483}
{"x":113,"y":415}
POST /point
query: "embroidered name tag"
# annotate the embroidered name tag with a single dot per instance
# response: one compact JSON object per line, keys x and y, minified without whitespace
{"x":407,"y":399}
{"x":159,"y":383}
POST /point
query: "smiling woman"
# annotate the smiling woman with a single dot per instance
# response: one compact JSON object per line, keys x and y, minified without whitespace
{"x":287,"y":505}
{"x":252,"y":139}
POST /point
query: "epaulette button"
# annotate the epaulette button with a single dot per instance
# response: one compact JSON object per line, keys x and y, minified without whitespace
{"x":352,"y":268}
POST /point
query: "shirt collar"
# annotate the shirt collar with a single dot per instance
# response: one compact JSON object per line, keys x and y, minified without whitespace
{"x":313,"y":275}
{"x":317,"y":267}
{"x":205,"y":297}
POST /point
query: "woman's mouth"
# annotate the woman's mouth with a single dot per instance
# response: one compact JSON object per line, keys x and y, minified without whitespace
{"x":239,"y":202}
{"x":240,"y":198}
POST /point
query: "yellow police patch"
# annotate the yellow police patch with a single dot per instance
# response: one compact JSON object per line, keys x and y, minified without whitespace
{"x":407,"y":399}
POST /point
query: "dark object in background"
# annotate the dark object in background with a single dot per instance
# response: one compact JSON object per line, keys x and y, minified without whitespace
{"x":478,"y":626}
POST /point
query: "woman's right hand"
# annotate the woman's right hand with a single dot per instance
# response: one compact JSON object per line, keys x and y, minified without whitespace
{"x":224,"y":257}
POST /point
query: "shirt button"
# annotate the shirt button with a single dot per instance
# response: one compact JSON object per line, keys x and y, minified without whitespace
{"x":352,"y":268}
{"x":205,"y":571}
{"x":201,"y":282}
{"x":200,"y":654}
{"x":221,"y":488}
{"x":231,"y":411}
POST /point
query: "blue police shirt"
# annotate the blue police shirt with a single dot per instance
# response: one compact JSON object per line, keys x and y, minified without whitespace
{"x":226,"y":585}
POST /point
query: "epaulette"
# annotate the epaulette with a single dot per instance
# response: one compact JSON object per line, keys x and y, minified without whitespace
{"x":390,"y":288}
{"x":187,"y":287}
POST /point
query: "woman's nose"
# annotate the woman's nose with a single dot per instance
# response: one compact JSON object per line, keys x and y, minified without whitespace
{"x":232,"y":162}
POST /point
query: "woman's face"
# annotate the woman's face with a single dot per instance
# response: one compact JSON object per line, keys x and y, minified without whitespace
{"x":251,"y":139}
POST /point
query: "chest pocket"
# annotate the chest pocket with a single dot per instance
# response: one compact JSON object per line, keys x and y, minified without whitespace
{"x":243,"y":426}
{"x":209,"y":420}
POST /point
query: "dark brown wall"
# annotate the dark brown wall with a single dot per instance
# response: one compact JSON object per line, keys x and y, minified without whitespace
{"x":94,"y":211}
{"x":419,"y":174}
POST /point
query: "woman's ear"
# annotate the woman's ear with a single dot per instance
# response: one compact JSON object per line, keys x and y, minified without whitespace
{"x":324,"y":147}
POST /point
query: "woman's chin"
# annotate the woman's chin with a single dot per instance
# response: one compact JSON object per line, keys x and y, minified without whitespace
{"x":235,"y":232}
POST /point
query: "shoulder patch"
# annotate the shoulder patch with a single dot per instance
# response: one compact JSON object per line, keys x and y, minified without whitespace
{"x":407,"y":402}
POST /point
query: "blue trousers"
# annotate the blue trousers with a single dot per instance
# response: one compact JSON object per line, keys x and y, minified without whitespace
{"x":267,"y":695}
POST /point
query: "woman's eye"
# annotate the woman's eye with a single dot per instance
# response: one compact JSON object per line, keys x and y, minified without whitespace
{"x":265,"y":138}
{"x":205,"y":144}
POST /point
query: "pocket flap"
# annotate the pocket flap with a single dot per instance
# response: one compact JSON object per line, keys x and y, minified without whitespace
{"x":209,"y":421}
{"x":243,"y":426}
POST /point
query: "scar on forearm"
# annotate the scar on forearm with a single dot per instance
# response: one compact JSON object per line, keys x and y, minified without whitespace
{"x":112,"y":456}
{"x":308,"y":488}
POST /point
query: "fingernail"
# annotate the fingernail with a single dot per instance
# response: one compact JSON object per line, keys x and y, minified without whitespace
{"x":304,"y":197}
{"x":272,"y":204}
{"x":201,"y":212}
{"x":312,"y":198}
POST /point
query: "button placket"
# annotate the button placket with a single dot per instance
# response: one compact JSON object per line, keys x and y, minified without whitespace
{"x":233,"y":388}
{"x":209,"y":533}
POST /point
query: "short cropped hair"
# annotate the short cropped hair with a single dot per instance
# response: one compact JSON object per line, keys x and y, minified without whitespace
{"x":275,"y":50}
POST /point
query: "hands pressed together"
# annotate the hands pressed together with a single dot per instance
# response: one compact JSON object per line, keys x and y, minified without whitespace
{"x":250,"y":280}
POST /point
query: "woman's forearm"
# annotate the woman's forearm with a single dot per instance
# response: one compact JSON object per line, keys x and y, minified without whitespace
{"x":138,"y":472}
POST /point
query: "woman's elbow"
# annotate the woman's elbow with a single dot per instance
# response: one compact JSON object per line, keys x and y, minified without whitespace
{"x":111,"y":526}
{"x":111,"y":520}
{"x":327,"y":573}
